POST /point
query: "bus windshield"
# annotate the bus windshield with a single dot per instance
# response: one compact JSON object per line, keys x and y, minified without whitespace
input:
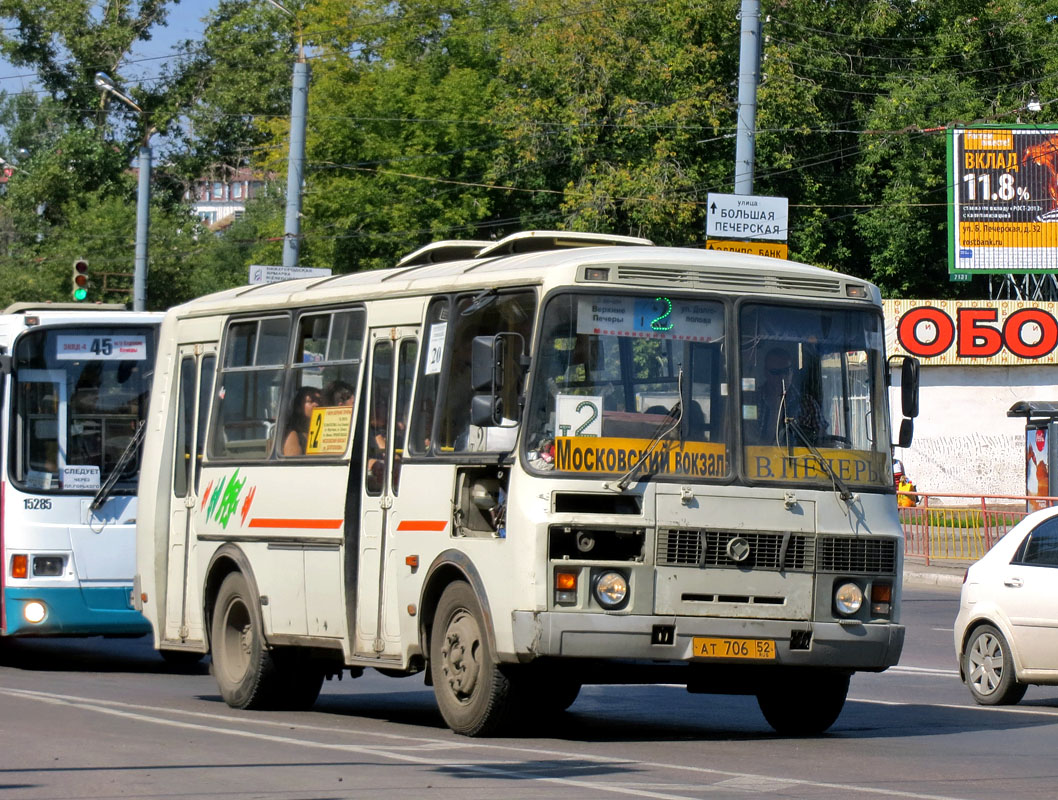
{"x":812,"y":391}
{"x":78,"y":396}
{"x":631,"y":383}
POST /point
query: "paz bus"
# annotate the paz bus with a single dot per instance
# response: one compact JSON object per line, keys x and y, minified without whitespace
{"x":75,"y":391}
{"x":523,"y":466}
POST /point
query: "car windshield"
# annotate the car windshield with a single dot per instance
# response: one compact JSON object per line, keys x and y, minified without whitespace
{"x":630,"y":378}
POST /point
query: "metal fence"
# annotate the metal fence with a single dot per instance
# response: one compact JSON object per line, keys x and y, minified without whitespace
{"x":961,"y":527}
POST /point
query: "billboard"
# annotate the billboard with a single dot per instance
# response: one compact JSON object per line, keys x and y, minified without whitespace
{"x":1003,"y":200}
{"x":986,"y":333}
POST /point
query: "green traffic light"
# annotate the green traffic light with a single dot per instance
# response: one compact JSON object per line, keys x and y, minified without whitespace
{"x":80,"y":294}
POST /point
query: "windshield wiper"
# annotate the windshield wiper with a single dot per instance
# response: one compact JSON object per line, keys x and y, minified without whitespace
{"x":664,"y":429}
{"x":839,"y":485}
{"x":130,"y":451}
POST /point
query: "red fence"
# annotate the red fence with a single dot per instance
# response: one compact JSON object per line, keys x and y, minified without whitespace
{"x":961,"y":527}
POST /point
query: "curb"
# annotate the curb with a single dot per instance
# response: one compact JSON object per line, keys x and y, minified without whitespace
{"x":932,"y":578}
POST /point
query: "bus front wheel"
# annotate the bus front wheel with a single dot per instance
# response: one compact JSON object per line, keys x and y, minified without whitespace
{"x":474,"y":695}
{"x":246,"y":672}
{"x":804,"y":705}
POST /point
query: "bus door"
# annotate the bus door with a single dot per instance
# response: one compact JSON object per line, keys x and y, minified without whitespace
{"x":194,"y":379}
{"x":391,"y":369}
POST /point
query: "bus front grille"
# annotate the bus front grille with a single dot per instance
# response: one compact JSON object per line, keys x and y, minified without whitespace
{"x":859,"y":556}
{"x":704,"y":548}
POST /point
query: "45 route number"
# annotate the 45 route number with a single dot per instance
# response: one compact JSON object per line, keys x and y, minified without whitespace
{"x":102,"y":346}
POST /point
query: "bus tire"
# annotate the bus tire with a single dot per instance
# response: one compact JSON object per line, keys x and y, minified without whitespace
{"x":246,"y":672}
{"x":806,"y":705}
{"x":474,"y":695}
{"x":989,"y":669}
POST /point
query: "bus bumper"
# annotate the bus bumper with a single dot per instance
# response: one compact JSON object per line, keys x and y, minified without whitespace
{"x":74,"y":611}
{"x":859,"y":646}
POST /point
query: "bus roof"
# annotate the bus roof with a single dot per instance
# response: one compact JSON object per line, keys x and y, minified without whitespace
{"x":32,"y":315}
{"x":626,"y":266}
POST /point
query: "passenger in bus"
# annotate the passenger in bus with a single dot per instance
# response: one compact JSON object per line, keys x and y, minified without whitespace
{"x":297,"y":436}
{"x":338,"y":393}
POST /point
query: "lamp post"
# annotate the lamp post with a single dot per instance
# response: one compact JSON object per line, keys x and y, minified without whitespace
{"x":143,"y":197}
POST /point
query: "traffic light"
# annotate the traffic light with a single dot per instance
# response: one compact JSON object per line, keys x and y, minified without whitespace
{"x":80,"y":279}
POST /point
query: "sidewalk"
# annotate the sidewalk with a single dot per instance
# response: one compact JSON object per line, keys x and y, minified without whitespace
{"x":945,"y":573}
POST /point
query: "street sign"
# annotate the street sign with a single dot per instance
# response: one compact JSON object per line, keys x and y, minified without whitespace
{"x":1002,"y":201}
{"x":959,"y":277}
{"x":747,"y":216}
{"x":771,"y":249}
{"x":272,"y":274}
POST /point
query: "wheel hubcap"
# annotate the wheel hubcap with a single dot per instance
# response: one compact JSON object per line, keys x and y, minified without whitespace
{"x":238,"y":641}
{"x":986,"y":664}
{"x":461,"y":655}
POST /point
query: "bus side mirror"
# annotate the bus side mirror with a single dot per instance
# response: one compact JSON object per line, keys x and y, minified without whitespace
{"x":907,"y":432}
{"x":486,"y":364}
{"x":909,"y":387}
{"x":486,"y":411}
{"x":488,"y":370}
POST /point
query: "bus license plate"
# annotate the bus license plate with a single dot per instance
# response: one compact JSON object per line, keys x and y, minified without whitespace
{"x":722,"y":647}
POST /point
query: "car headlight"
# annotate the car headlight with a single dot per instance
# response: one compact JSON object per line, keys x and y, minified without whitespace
{"x":848,"y":598}
{"x":610,"y":589}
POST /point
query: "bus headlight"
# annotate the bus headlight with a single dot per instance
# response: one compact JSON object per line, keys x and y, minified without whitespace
{"x":610,"y":589}
{"x":34,"y":611}
{"x":848,"y":598}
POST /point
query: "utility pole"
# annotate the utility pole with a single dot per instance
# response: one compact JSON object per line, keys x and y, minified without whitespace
{"x":299,"y":101}
{"x":143,"y":194}
{"x":143,"y":223}
{"x":748,"y":78}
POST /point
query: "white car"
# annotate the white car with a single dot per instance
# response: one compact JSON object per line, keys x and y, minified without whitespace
{"x":1006,"y":634}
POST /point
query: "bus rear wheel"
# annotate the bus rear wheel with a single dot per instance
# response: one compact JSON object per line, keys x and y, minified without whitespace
{"x":474,"y":695}
{"x":246,"y":672}
{"x":804,"y":704}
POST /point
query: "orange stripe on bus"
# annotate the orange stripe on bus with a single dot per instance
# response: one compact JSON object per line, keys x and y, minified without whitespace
{"x":423,"y":525}
{"x":327,"y":524}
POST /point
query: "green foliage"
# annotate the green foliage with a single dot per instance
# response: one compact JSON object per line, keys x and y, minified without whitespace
{"x":475,"y":118}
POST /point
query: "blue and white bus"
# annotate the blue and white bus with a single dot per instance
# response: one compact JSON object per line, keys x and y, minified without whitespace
{"x":76,"y":379}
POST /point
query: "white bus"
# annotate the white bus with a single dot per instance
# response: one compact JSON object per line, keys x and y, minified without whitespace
{"x":75,"y":391}
{"x":524,"y":466}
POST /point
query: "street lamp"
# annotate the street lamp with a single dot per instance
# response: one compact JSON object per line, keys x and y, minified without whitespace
{"x":143,"y":196}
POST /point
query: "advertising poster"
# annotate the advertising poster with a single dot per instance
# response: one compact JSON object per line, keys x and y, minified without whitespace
{"x":1003,"y":200}
{"x":1037,"y":483}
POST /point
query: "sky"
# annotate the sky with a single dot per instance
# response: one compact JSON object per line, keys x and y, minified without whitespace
{"x":184,"y":22}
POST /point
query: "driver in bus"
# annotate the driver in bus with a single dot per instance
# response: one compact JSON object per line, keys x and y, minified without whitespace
{"x":782,"y":400}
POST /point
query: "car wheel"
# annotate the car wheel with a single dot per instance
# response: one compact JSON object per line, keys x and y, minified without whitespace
{"x":989,"y":669}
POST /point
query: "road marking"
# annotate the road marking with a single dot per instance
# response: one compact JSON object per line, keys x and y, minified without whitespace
{"x":947,"y":673}
{"x":725,"y":779}
{"x":1048,"y":711}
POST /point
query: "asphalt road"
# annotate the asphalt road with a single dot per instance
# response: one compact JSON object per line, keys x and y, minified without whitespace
{"x":92,"y":718}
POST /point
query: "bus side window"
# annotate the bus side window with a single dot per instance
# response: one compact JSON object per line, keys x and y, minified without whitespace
{"x":507,"y":313}
{"x":426,"y":395}
{"x":249,"y":388}
{"x":326,"y":371}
